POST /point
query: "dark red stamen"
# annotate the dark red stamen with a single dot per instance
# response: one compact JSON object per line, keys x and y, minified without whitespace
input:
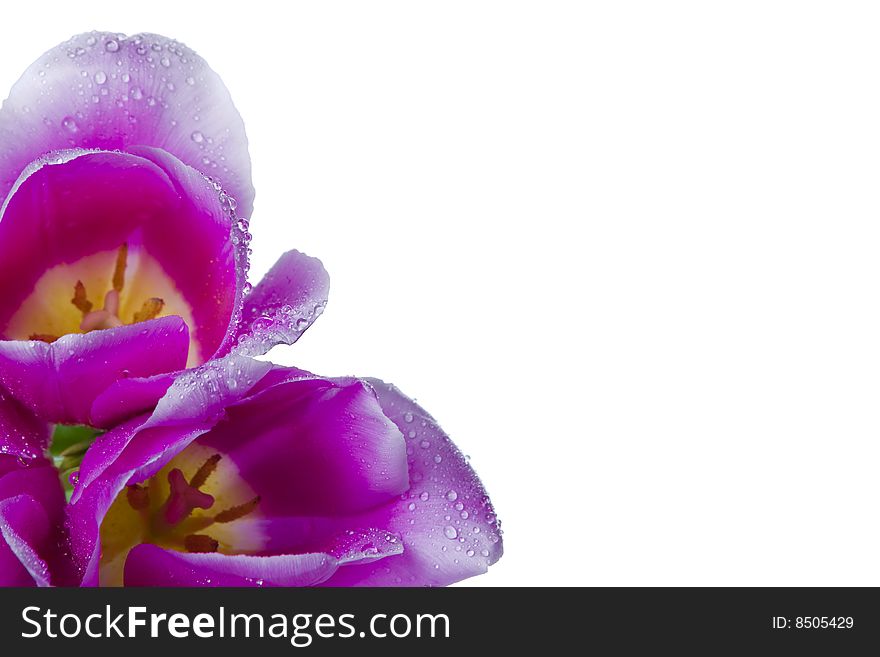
{"x":200,"y":543}
{"x":80,"y":300}
{"x":237,"y":512}
{"x":138,"y":497}
{"x":119,"y":270}
{"x":150,"y":310}
{"x":201,"y":476}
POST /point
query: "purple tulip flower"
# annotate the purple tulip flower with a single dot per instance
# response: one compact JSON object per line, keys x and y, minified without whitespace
{"x":119,"y":258}
{"x":249,"y":474}
{"x":125,"y":307}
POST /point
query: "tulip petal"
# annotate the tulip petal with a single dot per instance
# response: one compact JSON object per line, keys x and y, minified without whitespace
{"x":83,"y":522}
{"x":333,"y":451}
{"x":107,"y":91}
{"x":446,"y":506}
{"x":286,"y":302}
{"x":205,"y":252}
{"x":193,"y":404}
{"x":23,"y":524}
{"x":148,"y":565}
{"x":31,"y":508}
{"x":60,"y":381}
{"x":21,"y":432}
{"x":127,"y":398}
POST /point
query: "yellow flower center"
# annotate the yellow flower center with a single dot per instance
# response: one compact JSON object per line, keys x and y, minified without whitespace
{"x":210,"y":510}
{"x":131,"y":287}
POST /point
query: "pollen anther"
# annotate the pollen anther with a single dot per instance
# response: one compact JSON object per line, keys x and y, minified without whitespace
{"x":237,"y":512}
{"x":138,"y":497}
{"x":200,"y":543}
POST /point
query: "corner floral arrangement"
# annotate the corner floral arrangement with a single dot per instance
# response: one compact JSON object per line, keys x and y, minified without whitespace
{"x":141,"y":442}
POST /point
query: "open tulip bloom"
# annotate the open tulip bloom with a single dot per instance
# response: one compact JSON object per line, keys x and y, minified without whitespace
{"x":125,"y":194}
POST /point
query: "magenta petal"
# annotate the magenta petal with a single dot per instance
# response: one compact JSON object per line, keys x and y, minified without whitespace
{"x":36,"y":478}
{"x":308,"y":446}
{"x":107,"y":91}
{"x":60,"y":381}
{"x":31,"y":507}
{"x":21,"y":432}
{"x":148,"y":565}
{"x":192,"y":405}
{"x":129,"y":397}
{"x":284,"y":304}
{"x":23,"y":525}
{"x":83,"y":521}
{"x":203,"y":247}
{"x":103,"y":454}
{"x":314,"y":447}
{"x":446,"y":506}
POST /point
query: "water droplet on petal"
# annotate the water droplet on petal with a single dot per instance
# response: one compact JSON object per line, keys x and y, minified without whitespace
{"x":100,"y":77}
{"x":198,"y":137}
{"x":69,"y":124}
{"x":112,"y":45}
{"x":450,"y":532}
{"x":452,"y":496}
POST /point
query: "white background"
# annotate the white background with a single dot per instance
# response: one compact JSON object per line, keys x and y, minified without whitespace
{"x":627,"y":253}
